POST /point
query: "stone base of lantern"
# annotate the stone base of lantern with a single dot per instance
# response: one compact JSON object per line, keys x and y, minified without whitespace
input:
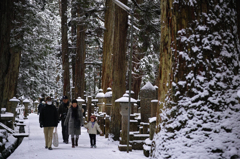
{"x":124,"y":147}
{"x":138,"y":140}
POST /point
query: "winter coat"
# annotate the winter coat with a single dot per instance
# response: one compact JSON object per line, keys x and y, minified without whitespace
{"x":40,"y":106}
{"x":94,"y":129}
{"x":48,"y":116}
{"x":70,"y":121}
{"x":63,"y":110}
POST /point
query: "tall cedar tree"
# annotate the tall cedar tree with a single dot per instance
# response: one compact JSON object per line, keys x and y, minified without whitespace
{"x":119,"y":66}
{"x":198,"y":80}
{"x":65,"y":53}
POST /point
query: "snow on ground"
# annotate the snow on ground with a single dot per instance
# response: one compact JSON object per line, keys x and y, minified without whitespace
{"x":33,"y":147}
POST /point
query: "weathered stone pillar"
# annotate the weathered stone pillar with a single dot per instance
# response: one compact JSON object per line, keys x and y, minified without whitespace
{"x":100,"y":96}
{"x":124,"y":104}
{"x":26,"y":103}
{"x":154,"y":104}
{"x":108,"y":104}
{"x":107,"y":123}
{"x":147,"y":93}
{"x":101,"y":123}
{"x":89,"y":107}
{"x":152,"y":127}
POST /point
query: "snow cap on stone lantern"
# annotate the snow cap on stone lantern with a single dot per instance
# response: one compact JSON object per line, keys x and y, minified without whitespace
{"x":14,"y":99}
{"x":125,"y":99}
{"x":79,"y":99}
{"x":100,"y":94}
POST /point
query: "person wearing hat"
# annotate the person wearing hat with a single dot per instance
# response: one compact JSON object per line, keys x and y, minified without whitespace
{"x":62,"y":111}
{"x":73,"y":120}
{"x":92,"y":127}
{"x":48,"y":120}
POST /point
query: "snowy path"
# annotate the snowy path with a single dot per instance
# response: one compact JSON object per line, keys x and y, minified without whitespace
{"x":32,"y":147}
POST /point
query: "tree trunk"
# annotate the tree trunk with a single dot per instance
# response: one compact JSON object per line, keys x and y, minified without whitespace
{"x":65,"y":53}
{"x":199,"y":65}
{"x":5,"y":55}
{"x":137,"y":55}
{"x":107,"y":64}
{"x":11,"y":79}
{"x":80,"y":58}
{"x":119,"y":66}
{"x":73,"y":39}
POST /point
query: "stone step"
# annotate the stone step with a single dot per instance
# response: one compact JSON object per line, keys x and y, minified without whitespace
{"x":140,"y":136}
{"x":137,"y":144}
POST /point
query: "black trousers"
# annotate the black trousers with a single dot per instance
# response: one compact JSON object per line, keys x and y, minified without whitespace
{"x":92,"y":139}
{"x":64,"y":131}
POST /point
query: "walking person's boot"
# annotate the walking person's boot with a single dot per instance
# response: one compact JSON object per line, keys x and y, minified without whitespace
{"x":73,"y":143}
{"x":76,"y":141}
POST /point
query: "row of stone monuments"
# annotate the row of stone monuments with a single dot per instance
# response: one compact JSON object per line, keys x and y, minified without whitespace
{"x":142,"y":116}
{"x":12,"y":126}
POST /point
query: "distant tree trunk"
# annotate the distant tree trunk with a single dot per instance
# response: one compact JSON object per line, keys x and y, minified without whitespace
{"x":119,"y":66}
{"x":65,"y":53}
{"x":73,"y":39}
{"x":5,"y":55}
{"x":199,"y":65}
{"x":108,"y":46}
{"x":80,"y":57}
{"x":137,"y":55}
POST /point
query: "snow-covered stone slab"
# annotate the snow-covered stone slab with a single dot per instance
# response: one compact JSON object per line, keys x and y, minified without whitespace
{"x":6,"y":128}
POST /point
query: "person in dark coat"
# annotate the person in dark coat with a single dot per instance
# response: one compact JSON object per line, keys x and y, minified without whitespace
{"x":48,"y":120}
{"x":41,"y":105}
{"x":62,"y":111}
{"x":73,"y":120}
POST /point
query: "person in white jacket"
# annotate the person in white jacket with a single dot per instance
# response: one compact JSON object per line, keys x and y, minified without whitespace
{"x":92,"y":127}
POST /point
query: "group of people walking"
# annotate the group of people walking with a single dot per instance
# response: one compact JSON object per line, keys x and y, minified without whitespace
{"x":71,"y":116}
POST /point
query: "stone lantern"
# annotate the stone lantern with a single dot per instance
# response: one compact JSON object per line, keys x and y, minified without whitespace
{"x":100,"y":96}
{"x":108,"y":105}
{"x":80,"y":101}
{"x":36,"y":105}
{"x":94,"y":101}
{"x":26,"y":103}
{"x":14,"y":102}
{"x":124,"y":111}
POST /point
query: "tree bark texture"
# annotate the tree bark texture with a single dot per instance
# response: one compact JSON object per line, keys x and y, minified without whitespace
{"x":73,"y":39}
{"x":5,"y":55}
{"x":11,"y":79}
{"x":119,"y":67}
{"x":65,"y":53}
{"x":137,"y":55}
{"x":107,"y":64}
{"x":199,"y":65}
{"x":80,"y":58}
